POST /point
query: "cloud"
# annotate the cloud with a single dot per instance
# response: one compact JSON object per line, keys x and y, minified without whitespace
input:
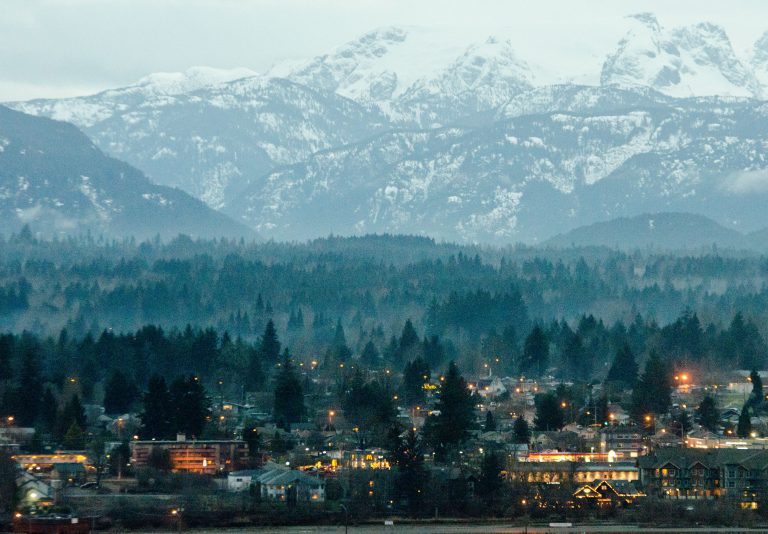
{"x":746,"y":182}
{"x":110,"y":43}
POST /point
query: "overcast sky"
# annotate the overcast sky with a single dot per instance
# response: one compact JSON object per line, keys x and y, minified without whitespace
{"x":52,"y":48}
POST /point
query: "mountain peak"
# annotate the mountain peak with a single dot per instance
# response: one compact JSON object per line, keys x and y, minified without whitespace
{"x":192,"y":79}
{"x":647,"y":19}
{"x":696,"y":60}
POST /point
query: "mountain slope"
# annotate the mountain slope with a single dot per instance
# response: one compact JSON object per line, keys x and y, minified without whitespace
{"x":528,"y":177}
{"x":418,"y":77}
{"x":676,"y":231}
{"x":53,"y":178}
{"x":688,"y":61}
{"x":206,"y":141}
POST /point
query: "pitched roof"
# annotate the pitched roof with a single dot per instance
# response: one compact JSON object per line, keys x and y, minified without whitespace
{"x":710,"y":458}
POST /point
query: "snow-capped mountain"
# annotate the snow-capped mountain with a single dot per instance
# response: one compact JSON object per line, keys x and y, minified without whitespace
{"x":209,"y":140}
{"x":528,"y":177}
{"x":683,"y":62}
{"x":55,"y":179}
{"x":759,"y":61}
{"x":416,"y":76}
{"x":88,"y":111}
{"x":424,"y":131}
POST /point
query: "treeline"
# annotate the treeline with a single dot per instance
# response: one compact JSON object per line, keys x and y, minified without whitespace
{"x":369,"y":283}
{"x":114,"y":368}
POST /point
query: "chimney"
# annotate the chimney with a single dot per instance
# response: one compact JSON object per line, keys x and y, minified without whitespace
{"x":181,"y":437}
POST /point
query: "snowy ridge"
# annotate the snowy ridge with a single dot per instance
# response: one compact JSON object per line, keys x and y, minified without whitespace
{"x":688,"y":61}
{"x":454,"y":135}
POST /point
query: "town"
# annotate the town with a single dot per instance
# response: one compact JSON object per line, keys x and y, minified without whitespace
{"x":347,"y":438}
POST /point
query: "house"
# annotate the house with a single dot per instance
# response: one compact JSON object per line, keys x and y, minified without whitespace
{"x":608,"y":494}
{"x":242,"y":480}
{"x":278,"y":483}
{"x":490,"y":387}
{"x":32,"y":489}
{"x":622,"y":439}
{"x":553,"y":440}
{"x":289,"y":485}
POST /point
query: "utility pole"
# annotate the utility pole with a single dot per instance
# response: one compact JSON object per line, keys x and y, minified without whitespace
{"x":346,"y":518}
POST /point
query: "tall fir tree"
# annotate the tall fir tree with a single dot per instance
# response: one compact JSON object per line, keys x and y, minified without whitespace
{"x":489,"y":483}
{"x":288,"y":397}
{"x":156,"y":414}
{"x":269,"y":347}
{"x":30,"y":389}
{"x":370,"y":355}
{"x":408,"y":457}
{"x":744,"y":426}
{"x":456,"y":408}
{"x":415,"y":375}
{"x":119,"y":393}
{"x":652,"y":394}
{"x":190,"y":406}
{"x":624,"y":369}
{"x":549,"y":413}
{"x":341,"y":352}
{"x":708,"y":415}
{"x":490,"y":422}
{"x":521,"y":431}
{"x":535,"y":360}
{"x":757,"y":398}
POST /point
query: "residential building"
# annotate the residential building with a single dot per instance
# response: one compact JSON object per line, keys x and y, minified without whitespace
{"x":203,"y":457}
{"x":621,"y":439}
{"x":278,"y":483}
{"x":571,"y":472}
{"x":608,"y":493}
{"x":706,"y":473}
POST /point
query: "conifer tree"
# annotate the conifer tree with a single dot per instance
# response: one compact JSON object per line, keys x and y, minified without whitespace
{"x":415,"y":375}
{"x":521,"y":432}
{"x":370,"y":355}
{"x":408,"y":457}
{"x":156,"y":414}
{"x":652,"y":392}
{"x":757,"y":398}
{"x":707,"y":414}
{"x":74,"y":438}
{"x":29,"y":391}
{"x":624,"y":368}
{"x":490,"y":483}
{"x":456,"y":408}
{"x":119,"y":393}
{"x":341,"y":351}
{"x":535,"y":358}
{"x":190,"y":406}
{"x":8,"y":489}
{"x":744,"y":427}
{"x":549,"y":414}
{"x":289,"y":396}
{"x":269,"y":348}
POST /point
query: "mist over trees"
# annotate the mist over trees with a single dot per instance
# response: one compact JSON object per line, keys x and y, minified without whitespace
{"x":158,"y":328}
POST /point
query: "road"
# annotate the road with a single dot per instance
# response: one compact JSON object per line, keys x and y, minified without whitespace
{"x":465,"y":529}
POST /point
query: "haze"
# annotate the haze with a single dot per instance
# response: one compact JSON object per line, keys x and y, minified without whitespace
{"x":55,"y":48}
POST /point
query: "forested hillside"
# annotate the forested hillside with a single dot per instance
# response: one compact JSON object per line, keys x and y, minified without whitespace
{"x":466,"y":303}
